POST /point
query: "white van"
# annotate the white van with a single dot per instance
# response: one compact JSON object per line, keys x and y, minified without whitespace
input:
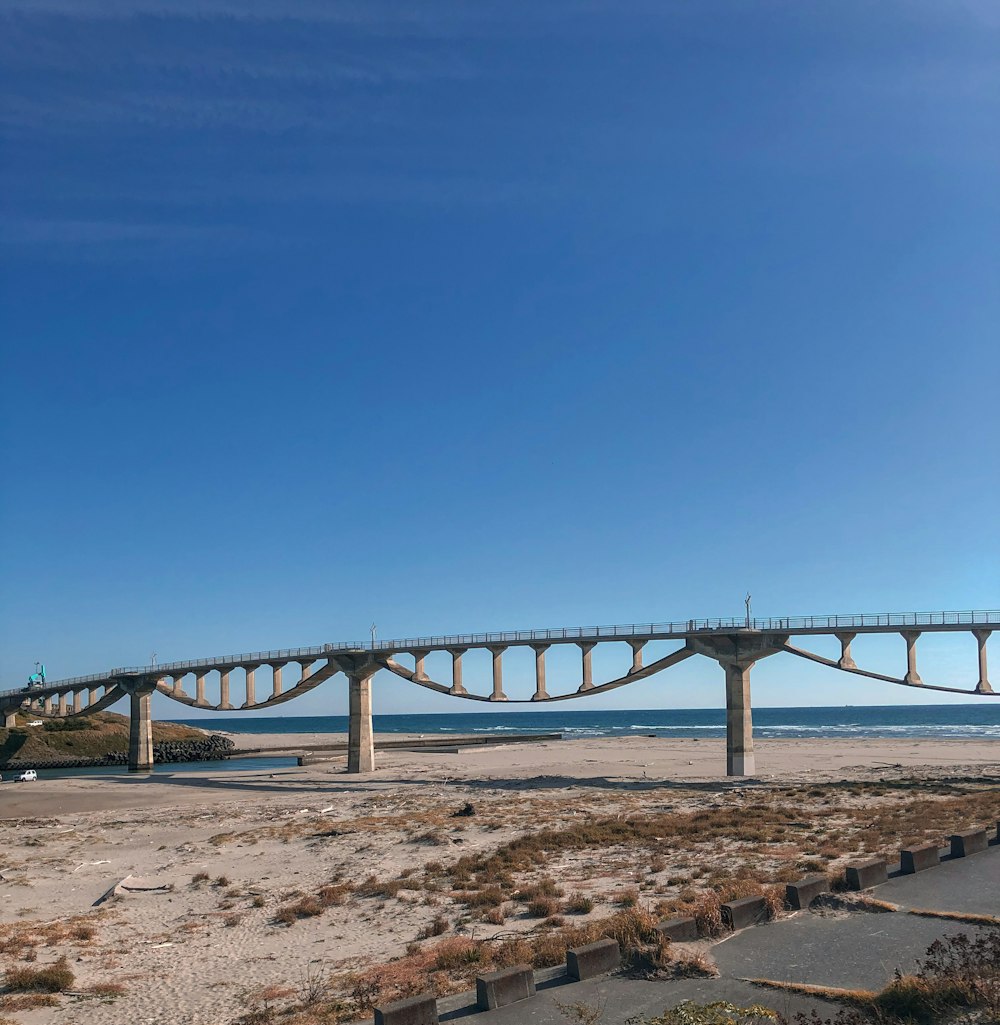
{"x":28,"y":776}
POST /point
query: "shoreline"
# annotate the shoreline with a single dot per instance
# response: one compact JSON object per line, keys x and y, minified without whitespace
{"x":615,"y":762}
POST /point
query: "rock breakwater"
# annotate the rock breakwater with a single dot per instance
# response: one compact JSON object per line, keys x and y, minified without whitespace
{"x":210,"y":749}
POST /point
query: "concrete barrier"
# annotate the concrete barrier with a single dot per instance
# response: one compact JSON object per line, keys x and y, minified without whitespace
{"x":593,"y":959}
{"x":801,"y":894}
{"x":497,"y":989}
{"x":678,"y":929}
{"x":419,"y":1010}
{"x":738,"y":914}
{"x":863,"y":874}
{"x":972,"y":841}
{"x":917,"y":859}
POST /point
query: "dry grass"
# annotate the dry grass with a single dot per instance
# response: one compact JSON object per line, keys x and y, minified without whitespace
{"x":53,"y":978}
{"x":21,"y":939}
{"x":957,"y":916}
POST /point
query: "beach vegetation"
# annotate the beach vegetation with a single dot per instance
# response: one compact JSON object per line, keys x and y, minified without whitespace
{"x":50,"y":978}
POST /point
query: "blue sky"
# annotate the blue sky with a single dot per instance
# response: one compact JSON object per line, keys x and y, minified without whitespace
{"x":461,"y":316}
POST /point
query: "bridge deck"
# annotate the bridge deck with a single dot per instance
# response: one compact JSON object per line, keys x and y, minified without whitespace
{"x":886,"y":622}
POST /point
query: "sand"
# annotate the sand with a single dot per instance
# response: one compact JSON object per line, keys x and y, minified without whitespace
{"x":192,"y":955}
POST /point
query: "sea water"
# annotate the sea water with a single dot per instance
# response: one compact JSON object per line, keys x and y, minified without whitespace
{"x":968,"y":721}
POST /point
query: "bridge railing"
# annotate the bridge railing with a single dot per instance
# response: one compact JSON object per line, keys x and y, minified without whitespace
{"x":789,"y":624}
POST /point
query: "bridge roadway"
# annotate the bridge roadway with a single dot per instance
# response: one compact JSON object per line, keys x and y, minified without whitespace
{"x":737,"y":644}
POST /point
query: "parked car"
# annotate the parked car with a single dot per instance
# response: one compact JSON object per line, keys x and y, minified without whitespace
{"x":28,"y":776}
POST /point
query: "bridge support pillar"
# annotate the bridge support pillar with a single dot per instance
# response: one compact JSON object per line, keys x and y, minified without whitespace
{"x":740,"y":759}
{"x":498,"y":694}
{"x":276,"y":670}
{"x":78,"y":701}
{"x":419,"y":673}
{"x":224,"y":688}
{"x":140,"y":733}
{"x":10,"y":718}
{"x":540,"y":692}
{"x":361,"y":734}
{"x":64,"y":704}
{"x":737,"y":654}
{"x":251,"y":696}
{"x":983,"y":687}
{"x":92,"y":697}
{"x":199,"y":689}
{"x":456,"y":670}
{"x":912,"y":676}
{"x":586,"y":647}
{"x":50,"y":705}
{"x":846,"y":662}
{"x":636,"y":647}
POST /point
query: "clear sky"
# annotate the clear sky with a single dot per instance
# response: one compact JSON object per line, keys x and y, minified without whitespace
{"x":458,"y":316}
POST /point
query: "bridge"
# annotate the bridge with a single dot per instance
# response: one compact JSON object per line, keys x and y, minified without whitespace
{"x":736,"y":644}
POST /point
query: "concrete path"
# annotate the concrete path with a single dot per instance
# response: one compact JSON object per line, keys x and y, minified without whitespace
{"x":848,"y":950}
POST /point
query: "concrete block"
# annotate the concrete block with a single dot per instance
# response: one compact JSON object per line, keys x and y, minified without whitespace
{"x":593,"y":959}
{"x":497,"y":989}
{"x":863,"y":874}
{"x":802,"y":893}
{"x":972,"y":841}
{"x":738,"y":914}
{"x":916,"y":859}
{"x":678,"y":929}
{"x":418,"y":1010}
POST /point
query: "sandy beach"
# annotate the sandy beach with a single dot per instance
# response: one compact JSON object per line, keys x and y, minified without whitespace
{"x":235,"y":853}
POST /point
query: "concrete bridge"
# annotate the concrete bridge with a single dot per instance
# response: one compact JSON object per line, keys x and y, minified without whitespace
{"x":736,"y":644}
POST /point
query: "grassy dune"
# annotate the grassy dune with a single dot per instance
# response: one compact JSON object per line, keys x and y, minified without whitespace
{"x":91,"y":736}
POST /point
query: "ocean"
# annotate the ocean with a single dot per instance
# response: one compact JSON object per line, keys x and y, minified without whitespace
{"x":971,"y":721}
{"x":967,"y":721}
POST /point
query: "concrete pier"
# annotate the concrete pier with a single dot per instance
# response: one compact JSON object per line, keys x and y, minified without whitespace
{"x":497,"y":693}
{"x":456,"y":670}
{"x":912,"y":676}
{"x":636,"y":647}
{"x":276,"y":686}
{"x":224,"y":688}
{"x":140,"y":734}
{"x":983,"y":686}
{"x":361,"y":734}
{"x":740,"y":759}
{"x":540,"y":692}
{"x":199,"y":689}
{"x":845,"y":661}
{"x":737,"y":653}
{"x":586,"y":648}
{"x":251,"y":696}
{"x":10,"y":719}
{"x":419,"y":673}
